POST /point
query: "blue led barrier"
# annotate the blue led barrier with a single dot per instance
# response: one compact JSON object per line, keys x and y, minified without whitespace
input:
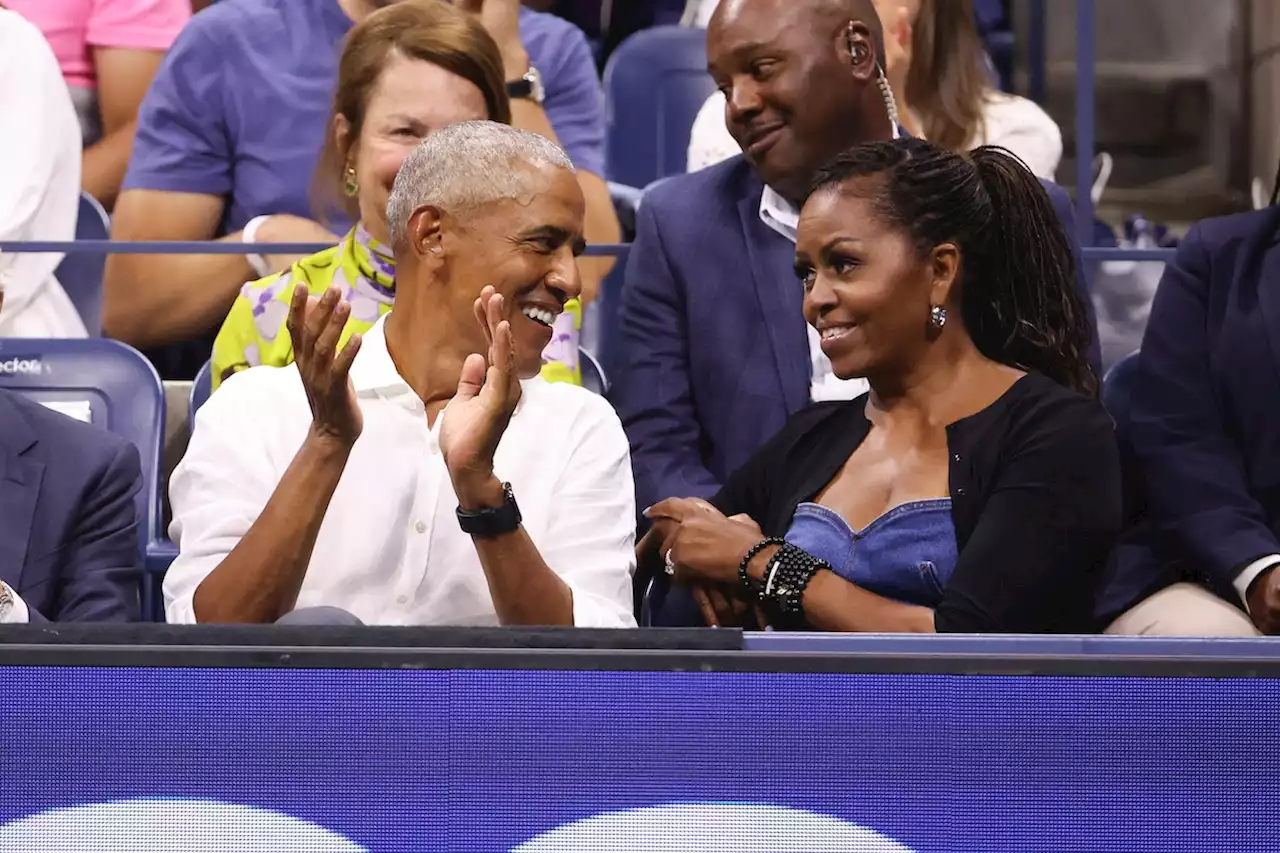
{"x":393,"y":760}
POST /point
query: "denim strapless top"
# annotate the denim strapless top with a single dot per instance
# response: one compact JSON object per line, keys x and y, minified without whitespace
{"x":907,"y":554}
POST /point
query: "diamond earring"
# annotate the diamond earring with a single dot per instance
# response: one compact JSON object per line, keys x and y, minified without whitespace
{"x":938,"y":316}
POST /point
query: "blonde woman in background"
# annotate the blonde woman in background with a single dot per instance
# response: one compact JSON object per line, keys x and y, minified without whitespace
{"x":943,"y":83}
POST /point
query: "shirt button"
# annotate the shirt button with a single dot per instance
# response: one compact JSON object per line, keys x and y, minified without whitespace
{"x":402,"y":599}
{"x":421,"y":527}
{"x":955,"y":458}
{"x":960,"y":491}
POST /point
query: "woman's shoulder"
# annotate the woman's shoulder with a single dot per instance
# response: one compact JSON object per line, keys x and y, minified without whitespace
{"x":1037,"y":405}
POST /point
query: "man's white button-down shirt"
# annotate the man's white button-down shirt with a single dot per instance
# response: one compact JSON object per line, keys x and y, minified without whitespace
{"x":390,"y":549}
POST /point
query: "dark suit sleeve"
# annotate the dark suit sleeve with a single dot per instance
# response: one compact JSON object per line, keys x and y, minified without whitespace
{"x":1066,"y":213}
{"x":102,"y":566}
{"x":652,"y":390}
{"x":1197,"y":492}
{"x":1052,"y":516}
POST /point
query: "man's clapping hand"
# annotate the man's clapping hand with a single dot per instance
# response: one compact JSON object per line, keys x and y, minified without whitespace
{"x":315,"y":326}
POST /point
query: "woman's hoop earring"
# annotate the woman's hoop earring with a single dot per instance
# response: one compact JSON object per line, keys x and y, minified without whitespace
{"x":351,"y":188}
{"x":937,"y":317}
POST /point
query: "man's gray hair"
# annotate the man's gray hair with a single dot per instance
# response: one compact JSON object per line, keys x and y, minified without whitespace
{"x":468,"y":165}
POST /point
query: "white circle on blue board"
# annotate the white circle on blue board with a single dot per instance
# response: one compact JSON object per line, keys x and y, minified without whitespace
{"x":168,"y":826}
{"x":712,"y":828}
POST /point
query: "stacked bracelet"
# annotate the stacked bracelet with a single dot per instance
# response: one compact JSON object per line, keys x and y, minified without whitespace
{"x":749,"y":585}
{"x":787,"y":576}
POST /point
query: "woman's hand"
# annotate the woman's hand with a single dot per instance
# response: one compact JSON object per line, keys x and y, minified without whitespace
{"x":700,"y":543}
{"x":501,"y":18}
{"x":477,"y":416}
{"x":315,"y":325}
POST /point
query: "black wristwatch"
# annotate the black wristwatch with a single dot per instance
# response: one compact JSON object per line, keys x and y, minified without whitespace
{"x":493,"y":521}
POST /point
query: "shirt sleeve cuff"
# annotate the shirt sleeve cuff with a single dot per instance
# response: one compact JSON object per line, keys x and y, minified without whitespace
{"x":18,"y":614}
{"x":1251,"y":572}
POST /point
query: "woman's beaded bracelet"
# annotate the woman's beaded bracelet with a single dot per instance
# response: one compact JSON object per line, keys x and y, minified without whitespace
{"x":787,"y":577}
{"x":749,"y":586}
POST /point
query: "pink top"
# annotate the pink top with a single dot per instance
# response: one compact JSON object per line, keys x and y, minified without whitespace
{"x":74,"y":27}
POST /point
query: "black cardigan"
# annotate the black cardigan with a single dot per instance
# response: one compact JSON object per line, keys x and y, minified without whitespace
{"x":1036,"y":501}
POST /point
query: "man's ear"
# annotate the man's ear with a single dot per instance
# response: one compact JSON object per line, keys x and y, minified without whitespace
{"x":426,"y":233}
{"x":858,"y":47}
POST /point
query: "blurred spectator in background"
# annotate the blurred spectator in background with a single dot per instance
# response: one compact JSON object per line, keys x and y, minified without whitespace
{"x":382,"y":478}
{"x":68,"y":517}
{"x":406,"y":70}
{"x":109,"y":51}
{"x":713,"y":353}
{"x":976,"y":489}
{"x":1205,"y":427}
{"x":39,"y":182}
{"x":943,"y":83}
{"x":232,"y":131}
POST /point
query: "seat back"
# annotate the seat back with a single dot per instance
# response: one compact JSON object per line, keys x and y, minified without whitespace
{"x":80,"y":273}
{"x":201,"y":388}
{"x":106,"y":382}
{"x":593,"y":378}
{"x":655,"y":83}
{"x":1117,"y":398}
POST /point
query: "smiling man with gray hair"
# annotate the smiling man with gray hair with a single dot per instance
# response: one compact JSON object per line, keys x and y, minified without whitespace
{"x":468,"y":165}
{"x":378,"y":483}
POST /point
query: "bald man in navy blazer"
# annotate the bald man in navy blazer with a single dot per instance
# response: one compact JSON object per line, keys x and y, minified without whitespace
{"x":713,"y":353}
{"x":69,"y":542}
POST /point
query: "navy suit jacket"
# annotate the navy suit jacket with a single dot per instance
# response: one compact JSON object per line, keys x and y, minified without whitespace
{"x":1205,"y":415}
{"x":712,"y":354}
{"x":68,"y":521}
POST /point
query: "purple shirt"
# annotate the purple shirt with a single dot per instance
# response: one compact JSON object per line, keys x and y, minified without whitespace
{"x":240,"y":107}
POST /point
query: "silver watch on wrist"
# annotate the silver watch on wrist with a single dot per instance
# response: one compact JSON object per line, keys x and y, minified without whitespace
{"x":528,"y":87}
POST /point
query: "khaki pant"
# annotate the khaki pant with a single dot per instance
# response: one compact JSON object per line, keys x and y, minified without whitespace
{"x":1183,"y":610}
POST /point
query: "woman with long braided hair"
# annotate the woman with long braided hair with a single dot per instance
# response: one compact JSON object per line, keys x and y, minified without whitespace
{"x":976,"y":488}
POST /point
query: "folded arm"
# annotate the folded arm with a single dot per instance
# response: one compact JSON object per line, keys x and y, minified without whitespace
{"x":123,"y":77}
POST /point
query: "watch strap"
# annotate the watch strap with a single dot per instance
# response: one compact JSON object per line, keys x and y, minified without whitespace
{"x":491,"y":522}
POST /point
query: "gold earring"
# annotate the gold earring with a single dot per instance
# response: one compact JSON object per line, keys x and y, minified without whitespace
{"x":351,"y":188}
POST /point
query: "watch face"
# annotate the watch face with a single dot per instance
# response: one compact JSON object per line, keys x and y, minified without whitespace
{"x":536,"y":90}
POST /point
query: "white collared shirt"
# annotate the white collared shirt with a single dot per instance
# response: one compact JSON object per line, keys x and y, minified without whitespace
{"x":782,"y":216}
{"x":39,"y":182}
{"x":390,"y":550}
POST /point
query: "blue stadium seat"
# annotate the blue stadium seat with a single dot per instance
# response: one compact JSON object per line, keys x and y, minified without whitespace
{"x":201,"y":388}
{"x":1117,"y":392}
{"x":593,"y":378}
{"x":80,"y":273}
{"x":655,"y":83}
{"x":1117,"y":398}
{"x":123,"y":394}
